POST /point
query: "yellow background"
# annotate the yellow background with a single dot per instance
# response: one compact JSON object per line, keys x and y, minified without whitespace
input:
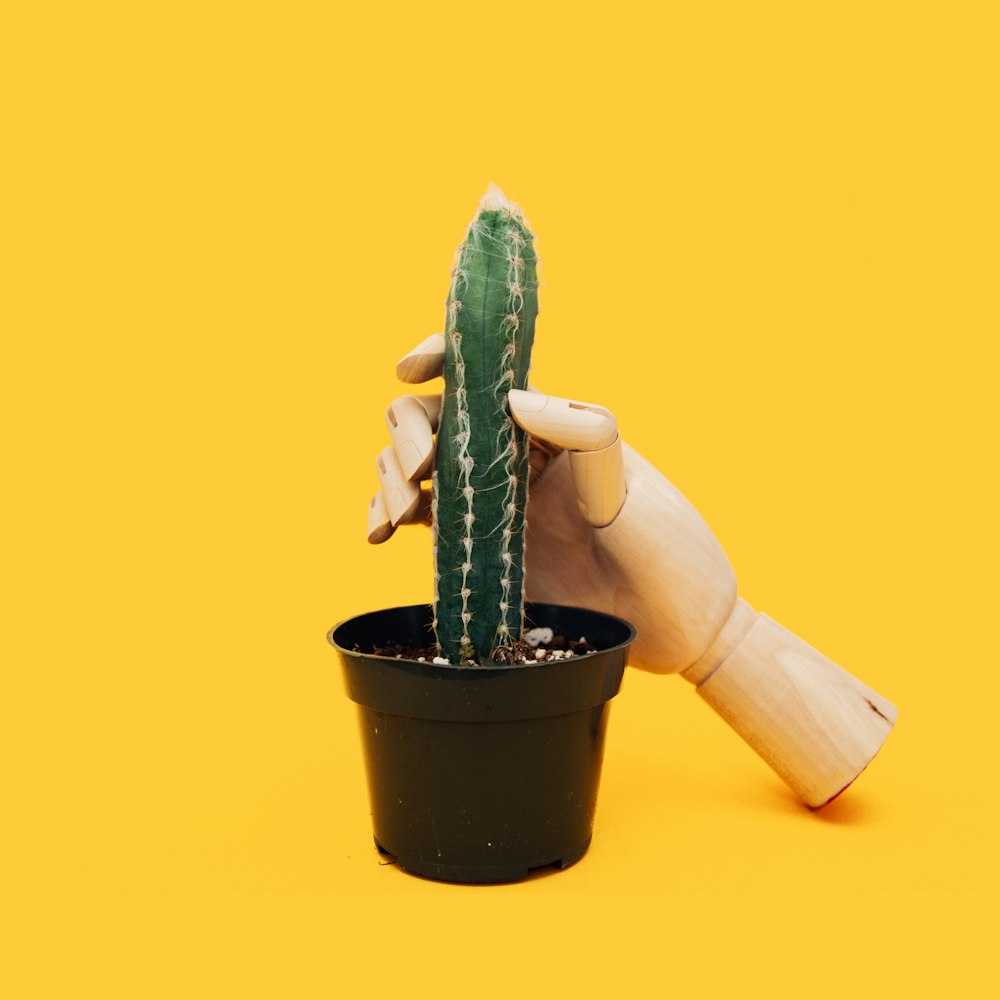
{"x":769,"y":238}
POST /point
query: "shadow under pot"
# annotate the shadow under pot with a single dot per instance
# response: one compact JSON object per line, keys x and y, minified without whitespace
{"x":482,"y":774}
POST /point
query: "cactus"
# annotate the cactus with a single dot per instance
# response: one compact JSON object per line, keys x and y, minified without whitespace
{"x":480,"y":486}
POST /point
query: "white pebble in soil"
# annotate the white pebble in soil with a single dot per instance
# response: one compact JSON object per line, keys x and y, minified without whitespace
{"x":536,"y":636}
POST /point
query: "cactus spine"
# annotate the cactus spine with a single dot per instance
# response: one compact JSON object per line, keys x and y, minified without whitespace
{"x":481,"y":480}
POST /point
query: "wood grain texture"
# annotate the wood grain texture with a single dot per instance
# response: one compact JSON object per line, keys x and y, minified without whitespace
{"x":599,"y":477}
{"x":412,"y":432}
{"x":812,"y":721}
{"x":659,"y":566}
{"x":424,"y":362}
{"x":565,"y":422}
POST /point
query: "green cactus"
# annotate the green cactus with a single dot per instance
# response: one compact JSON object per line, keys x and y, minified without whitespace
{"x":481,"y":479}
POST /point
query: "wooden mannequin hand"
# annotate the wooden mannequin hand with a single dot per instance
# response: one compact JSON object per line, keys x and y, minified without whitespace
{"x":605,"y":530}
{"x":647,"y":557}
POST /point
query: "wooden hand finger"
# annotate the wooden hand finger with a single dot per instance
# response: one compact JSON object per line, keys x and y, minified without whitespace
{"x":424,"y":362}
{"x":599,"y":478}
{"x":563,"y":422}
{"x":402,"y":497}
{"x":412,"y":421}
{"x":590,"y":433}
{"x":380,"y":528}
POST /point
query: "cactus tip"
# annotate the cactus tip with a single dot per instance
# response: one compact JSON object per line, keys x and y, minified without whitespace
{"x":493,"y":200}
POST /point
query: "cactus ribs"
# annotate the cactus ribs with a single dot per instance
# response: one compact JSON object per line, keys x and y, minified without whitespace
{"x":480,"y":485}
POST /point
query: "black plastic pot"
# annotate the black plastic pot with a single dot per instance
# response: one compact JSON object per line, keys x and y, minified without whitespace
{"x":481,"y":774}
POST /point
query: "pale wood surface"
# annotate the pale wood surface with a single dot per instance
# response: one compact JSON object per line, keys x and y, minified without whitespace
{"x":659,"y":566}
{"x":739,"y":622}
{"x":590,"y":434}
{"x":402,"y":497}
{"x":411,"y":426}
{"x":380,"y":527}
{"x":565,"y":422}
{"x":424,"y":362}
{"x":599,"y":478}
{"x":813,"y":722}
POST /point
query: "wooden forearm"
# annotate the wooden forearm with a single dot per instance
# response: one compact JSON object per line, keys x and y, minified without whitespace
{"x":659,"y":566}
{"x":813,"y":722}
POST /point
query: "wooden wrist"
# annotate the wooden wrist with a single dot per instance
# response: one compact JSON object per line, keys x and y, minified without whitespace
{"x":814,"y":723}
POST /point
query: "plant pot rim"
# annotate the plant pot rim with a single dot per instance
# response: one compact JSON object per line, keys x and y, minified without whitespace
{"x":500,"y":668}
{"x":423,"y":689}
